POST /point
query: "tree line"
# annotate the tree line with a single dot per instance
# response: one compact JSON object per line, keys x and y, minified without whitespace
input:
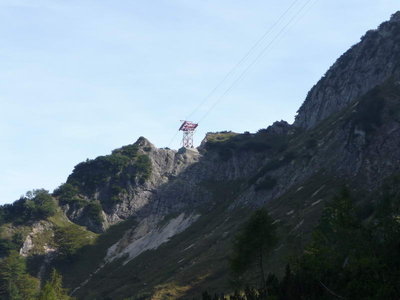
{"x":17,"y":284}
{"x":350,"y":256}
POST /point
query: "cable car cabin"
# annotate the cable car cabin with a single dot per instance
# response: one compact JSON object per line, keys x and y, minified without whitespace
{"x":188,"y":126}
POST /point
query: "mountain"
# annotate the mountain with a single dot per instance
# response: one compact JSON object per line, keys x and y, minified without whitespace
{"x":151,"y":223}
{"x":366,"y":65}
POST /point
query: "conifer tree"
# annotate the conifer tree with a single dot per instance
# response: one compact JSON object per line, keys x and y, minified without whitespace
{"x":53,"y":289}
{"x":253,"y":243}
{"x":15,"y":283}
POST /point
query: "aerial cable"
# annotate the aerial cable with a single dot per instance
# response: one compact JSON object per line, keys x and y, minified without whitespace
{"x":262,"y":53}
{"x":243,"y":59}
{"x":252,"y":63}
{"x":305,"y":11}
{"x":173,"y":139}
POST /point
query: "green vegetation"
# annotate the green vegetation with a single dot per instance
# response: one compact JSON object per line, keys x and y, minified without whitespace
{"x":90,"y":175}
{"x":108,"y":175}
{"x":69,"y":194}
{"x":87,"y":258}
{"x":219,"y":137}
{"x":36,"y":205}
{"x":10,"y":240}
{"x":93,"y":211}
{"x":128,"y":151}
{"x":347,"y":258}
{"x":70,"y":239}
{"x":224,"y":143}
{"x":253,"y":243}
{"x":202,"y":245}
{"x":143,"y":168}
{"x":15,"y":282}
{"x":53,"y":289}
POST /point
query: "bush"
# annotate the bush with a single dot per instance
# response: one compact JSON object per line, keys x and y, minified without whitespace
{"x":66,"y":192}
{"x":129,"y":150}
{"x":93,"y":211}
{"x":15,"y":282}
{"x":44,"y":205}
{"x":6,"y":246}
{"x":70,"y":239}
{"x":143,"y":167}
{"x":92,"y":173}
{"x":88,"y":176}
{"x":36,"y":205}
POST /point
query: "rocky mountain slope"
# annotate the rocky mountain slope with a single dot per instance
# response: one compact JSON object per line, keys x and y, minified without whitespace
{"x":367,"y":64}
{"x":158,"y":223}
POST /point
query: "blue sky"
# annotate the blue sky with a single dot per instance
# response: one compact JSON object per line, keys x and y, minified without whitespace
{"x":80,"y":78}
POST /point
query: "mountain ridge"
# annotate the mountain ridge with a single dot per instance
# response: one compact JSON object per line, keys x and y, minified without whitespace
{"x":372,"y":64}
{"x":159,"y":221}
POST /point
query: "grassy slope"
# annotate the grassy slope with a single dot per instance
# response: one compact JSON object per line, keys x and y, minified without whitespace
{"x":79,"y":267}
{"x":58,"y":220}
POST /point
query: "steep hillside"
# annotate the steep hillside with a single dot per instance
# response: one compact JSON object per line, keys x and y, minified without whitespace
{"x":367,"y":64}
{"x":291,"y":171}
{"x":149,"y":223}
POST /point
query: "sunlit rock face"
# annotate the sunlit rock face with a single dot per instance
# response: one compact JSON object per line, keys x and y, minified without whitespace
{"x":373,"y":60}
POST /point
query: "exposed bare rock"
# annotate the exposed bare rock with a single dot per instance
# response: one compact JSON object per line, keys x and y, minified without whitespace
{"x":367,"y":64}
{"x":35,"y":242}
{"x":148,"y":235}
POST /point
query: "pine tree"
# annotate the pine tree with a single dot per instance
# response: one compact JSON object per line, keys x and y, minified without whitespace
{"x":15,"y":283}
{"x":53,"y":289}
{"x":253,"y":243}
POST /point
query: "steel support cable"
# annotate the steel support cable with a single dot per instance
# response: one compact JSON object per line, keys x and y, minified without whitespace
{"x":305,"y":11}
{"x":254,"y":61}
{"x":243,"y":59}
{"x":264,"y":51}
{"x":173,"y":139}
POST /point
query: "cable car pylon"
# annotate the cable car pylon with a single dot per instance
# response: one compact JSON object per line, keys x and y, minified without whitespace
{"x":188,"y":128}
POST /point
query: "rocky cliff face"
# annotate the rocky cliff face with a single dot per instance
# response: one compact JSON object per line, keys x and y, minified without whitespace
{"x":122,"y":184}
{"x":367,"y":64}
{"x":181,"y":208}
{"x":192,"y":215}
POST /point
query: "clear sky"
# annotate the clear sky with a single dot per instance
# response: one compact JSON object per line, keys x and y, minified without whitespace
{"x":79,"y":78}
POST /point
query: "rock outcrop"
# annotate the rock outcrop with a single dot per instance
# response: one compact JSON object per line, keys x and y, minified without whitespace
{"x":367,"y":64}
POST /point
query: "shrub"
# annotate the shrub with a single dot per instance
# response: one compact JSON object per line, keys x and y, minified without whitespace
{"x":6,"y":246}
{"x":70,"y":239}
{"x":92,"y":173}
{"x":66,"y":192}
{"x":129,"y":151}
{"x":45,"y":206}
{"x":143,"y":167}
{"x":93,"y":211}
{"x":36,"y":205}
